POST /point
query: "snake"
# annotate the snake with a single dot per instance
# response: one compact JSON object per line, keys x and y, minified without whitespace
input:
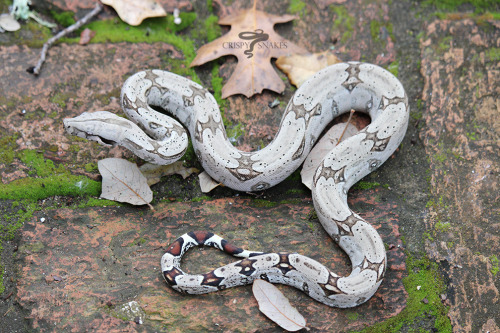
{"x":155,"y":136}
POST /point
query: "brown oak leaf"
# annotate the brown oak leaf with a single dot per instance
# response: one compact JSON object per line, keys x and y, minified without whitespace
{"x":254,"y":42}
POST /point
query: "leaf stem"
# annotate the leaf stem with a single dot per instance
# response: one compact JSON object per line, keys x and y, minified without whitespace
{"x":345,"y":128}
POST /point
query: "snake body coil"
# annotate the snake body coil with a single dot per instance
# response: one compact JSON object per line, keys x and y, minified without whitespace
{"x":332,"y":91}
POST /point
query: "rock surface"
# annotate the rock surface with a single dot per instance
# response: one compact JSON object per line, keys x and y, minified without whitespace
{"x":71,"y":264}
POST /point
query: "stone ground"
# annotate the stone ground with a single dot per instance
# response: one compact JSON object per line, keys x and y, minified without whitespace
{"x":74,"y":263}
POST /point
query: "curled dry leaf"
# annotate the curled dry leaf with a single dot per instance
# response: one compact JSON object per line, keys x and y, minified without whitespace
{"x":300,"y":67}
{"x":9,"y":23}
{"x":276,"y":306}
{"x":207,"y":183}
{"x":134,"y":12}
{"x":323,"y":147}
{"x":254,"y":42}
{"x":123,"y":181}
{"x":154,"y":172}
{"x":86,"y":36}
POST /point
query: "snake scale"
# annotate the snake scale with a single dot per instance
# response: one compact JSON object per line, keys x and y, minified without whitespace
{"x":158,"y":138}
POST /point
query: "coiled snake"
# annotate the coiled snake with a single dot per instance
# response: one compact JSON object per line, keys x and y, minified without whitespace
{"x":332,"y":91}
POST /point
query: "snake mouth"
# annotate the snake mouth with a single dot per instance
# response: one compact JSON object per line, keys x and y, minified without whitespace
{"x":101,"y":140}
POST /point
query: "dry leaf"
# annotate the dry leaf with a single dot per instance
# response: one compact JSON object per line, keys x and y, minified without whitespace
{"x":86,"y":36}
{"x":300,"y":67}
{"x":9,"y":23}
{"x":154,"y":172}
{"x":123,"y":181}
{"x":276,"y":306}
{"x":323,"y":147}
{"x":134,"y":12}
{"x":254,"y":42}
{"x":207,"y":183}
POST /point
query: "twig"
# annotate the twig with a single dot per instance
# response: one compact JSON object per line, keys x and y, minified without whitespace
{"x":345,"y":128}
{"x":36,"y":70}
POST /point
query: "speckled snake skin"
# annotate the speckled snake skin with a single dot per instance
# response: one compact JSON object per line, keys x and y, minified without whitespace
{"x":332,"y":91}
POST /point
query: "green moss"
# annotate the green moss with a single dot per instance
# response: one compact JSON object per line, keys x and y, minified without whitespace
{"x":60,"y":99}
{"x":9,"y":225}
{"x":210,"y":5}
{"x":38,"y":164}
{"x":480,"y":6}
{"x":363,"y":185}
{"x":217,"y":87}
{"x":98,"y":202}
{"x":493,"y":54}
{"x":445,"y":44}
{"x":7,"y":148}
{"x":376,"y":29}
{"x":64,"y":18}
{"x":150,"y":31}
{"x":263,"y":203}
{"x":440,"y":157}
{"x":442,"y":227}
{"x":187,"y":19}
{"x":212,"y":28}
{"x":91,"y":167}
{"x":37,"y":34}
{"x":394,"y":68}
{"x":41,"y":188}
{"x":47,"y":179}
{"x":296,"y":6}
{"x":234,"y":132}
{"x":353,"y":316}
{"x":343,"y":23}
{"x":190,"y":155}
{"x":202,"y":198}
{"x":293,"y":201}
{"x":423,"y":282}
{"x":494,"y":265}
{"x":295,"y":191}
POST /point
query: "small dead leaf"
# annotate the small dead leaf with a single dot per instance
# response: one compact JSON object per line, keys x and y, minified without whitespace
{"x":254,"y":42}
{"x":154,"y":172}
{"x":323,"y":147}
{"x":300,"y":67}
{"x":86,"y":36}
{"x":134,"y":12}
{"x":123,"y":181}
{"x":207,"y":183}
{"x":276,"y":306}
{"x":9,"y":23}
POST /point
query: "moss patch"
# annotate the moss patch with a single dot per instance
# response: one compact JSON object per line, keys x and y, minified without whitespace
{"x":394,"y":68}
{"x":47,"y":180}
{"x":261,"y":203}
{"x":494,"y":265}
{"x":376,"y":28}
{"x":343,"y":23}
{"x":9,"y":224}
{"x":424,"y":285}
{"x":63,"y":18}
{"x":296,"y":6}
{"x":452,"y":5}
{"x":363,"y":185}
{"x":7,"y":147}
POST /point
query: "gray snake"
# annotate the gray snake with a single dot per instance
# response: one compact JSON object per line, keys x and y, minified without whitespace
{"x":158,"y":138}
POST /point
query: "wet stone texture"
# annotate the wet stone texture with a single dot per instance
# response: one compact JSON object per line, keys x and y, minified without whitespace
{"x":74,"y":266}
{"x":79,"y":267}
{"x":462,"y":132}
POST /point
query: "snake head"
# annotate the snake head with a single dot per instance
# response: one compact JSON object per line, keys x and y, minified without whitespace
{"x":100,"y":126}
